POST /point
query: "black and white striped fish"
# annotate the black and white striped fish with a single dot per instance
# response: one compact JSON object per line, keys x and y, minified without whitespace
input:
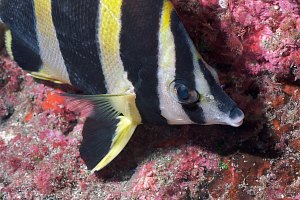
{"x":133,"y":59}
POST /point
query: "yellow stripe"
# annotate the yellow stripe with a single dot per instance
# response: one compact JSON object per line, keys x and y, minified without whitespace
{"x":53,"y":62}
{"x":166,"y":17}
{"x":166,"y":38}
{"x":8,"y":41}
{"x":108,"y":36}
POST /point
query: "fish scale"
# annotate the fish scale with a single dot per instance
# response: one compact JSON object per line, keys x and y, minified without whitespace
{"x":109,"y":33}
{"x":53,"y":63}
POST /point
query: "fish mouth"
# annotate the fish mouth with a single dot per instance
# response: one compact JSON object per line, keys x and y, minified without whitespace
{"x":236,"y":124}
{"x":236,"y":117}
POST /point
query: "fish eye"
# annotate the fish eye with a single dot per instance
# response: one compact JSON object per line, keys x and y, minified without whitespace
{"x":183,"y":94}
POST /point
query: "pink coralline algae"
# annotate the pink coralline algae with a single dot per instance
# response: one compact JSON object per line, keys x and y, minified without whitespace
{"x":255,"y":47}
{"x":261,"y":36}
{"x":177,"y":174}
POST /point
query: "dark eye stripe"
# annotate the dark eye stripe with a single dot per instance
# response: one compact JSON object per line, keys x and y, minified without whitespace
{"x":182,"y":93}
{"x":185,"y":66}
{"x":184,"y":57}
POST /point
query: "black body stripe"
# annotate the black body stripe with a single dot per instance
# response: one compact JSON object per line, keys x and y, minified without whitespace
{"x":75,"y":22}
{"x":20,"y":18}
{"x":185,"y":66}
{"x":139,"y":53}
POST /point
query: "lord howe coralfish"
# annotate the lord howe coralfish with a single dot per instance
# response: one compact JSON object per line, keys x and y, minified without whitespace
{"x":132,"y":58}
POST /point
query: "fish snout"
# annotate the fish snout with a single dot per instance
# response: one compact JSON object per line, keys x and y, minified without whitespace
{"x":236,"y":117}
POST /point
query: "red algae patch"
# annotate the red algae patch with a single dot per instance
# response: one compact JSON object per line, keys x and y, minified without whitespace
{"x":53,"y":101}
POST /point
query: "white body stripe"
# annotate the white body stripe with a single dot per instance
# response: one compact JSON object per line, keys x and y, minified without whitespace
{"x":53,"y":62}
{"x":170,"y":108}
{"x":109,"y":29}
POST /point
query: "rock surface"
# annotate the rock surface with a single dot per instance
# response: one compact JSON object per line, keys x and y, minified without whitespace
{"x":254,"y":45}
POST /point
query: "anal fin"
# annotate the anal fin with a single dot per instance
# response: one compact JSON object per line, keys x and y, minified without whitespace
{"x":109,"y":126}
{"x":103,"y":141}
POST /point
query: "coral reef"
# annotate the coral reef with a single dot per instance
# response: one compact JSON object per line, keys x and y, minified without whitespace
{"x":254,"y":45}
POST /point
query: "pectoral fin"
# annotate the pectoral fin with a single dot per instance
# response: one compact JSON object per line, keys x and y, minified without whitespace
{"x":8,"y":42}
{"x":44,"y":76}
{"x":108,"y":128}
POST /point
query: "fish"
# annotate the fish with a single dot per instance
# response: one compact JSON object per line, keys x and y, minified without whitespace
{"x":133,"y":60}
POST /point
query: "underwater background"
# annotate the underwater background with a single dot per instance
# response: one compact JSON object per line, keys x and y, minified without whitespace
{"x":254,"y":46}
